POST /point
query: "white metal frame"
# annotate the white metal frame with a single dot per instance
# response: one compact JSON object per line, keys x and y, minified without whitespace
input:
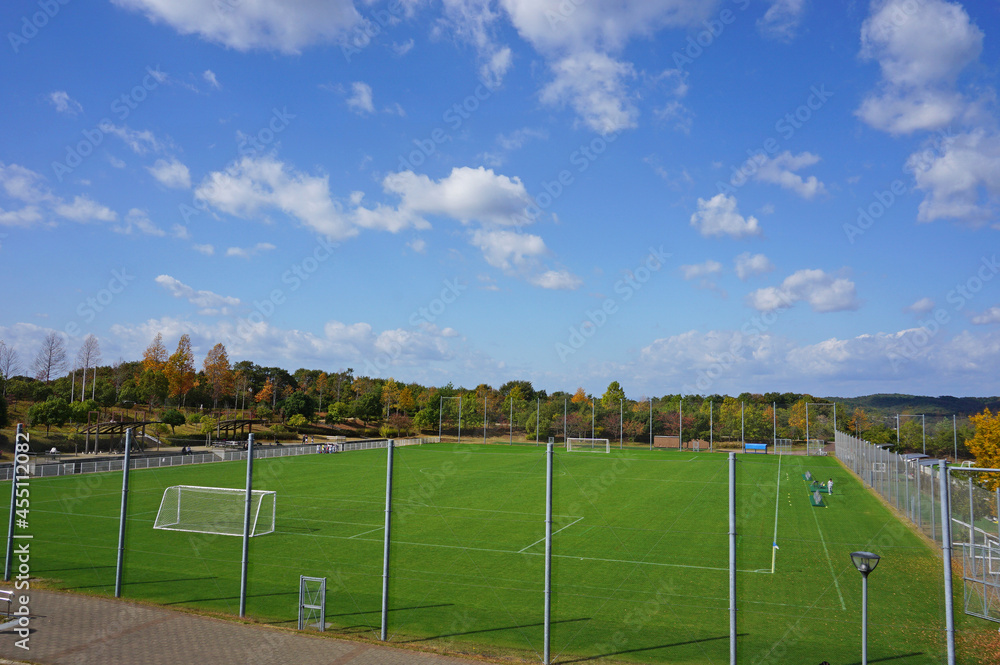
{"x":260,"y":496}
{"x":591,"y":449}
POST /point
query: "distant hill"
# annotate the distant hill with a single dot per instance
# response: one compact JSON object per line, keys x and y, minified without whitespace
{"x":944,"y":405}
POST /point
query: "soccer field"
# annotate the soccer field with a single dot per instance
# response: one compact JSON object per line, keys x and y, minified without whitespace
{"x":640,"y":553}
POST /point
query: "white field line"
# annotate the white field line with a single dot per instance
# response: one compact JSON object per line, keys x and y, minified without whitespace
{"x":521,"y":551}
{"x":378,"y":528}
{"x":555,"y":556}
{"x":829,"y":561}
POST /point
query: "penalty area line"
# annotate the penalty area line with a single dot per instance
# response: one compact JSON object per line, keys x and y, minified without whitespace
{"x":540,"y":540}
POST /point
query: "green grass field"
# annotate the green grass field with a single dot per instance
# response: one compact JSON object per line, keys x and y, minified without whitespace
{"x":640,"y":554}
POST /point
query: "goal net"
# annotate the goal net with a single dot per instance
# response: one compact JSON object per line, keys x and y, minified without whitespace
{"x":588,"y":445}
{"x":782,"y":446}
{"x":218,"y":510}
{"x":815,"y":447}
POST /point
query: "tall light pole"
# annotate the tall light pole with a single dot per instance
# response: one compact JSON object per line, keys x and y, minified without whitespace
{"x":621,"y":423}
{"x":865,"y":562}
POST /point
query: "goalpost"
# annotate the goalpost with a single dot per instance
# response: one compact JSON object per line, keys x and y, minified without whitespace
{"x":216,"y":510}
{"x":580,"y":444}
{"x":815,"y":447}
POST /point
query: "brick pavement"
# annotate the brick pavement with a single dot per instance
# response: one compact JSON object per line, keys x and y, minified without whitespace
{"x":73,"y":629}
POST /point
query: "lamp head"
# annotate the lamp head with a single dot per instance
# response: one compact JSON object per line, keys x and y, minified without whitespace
{"x":865,"y":562}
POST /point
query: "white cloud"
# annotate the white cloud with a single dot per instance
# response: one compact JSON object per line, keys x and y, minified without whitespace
{"x":404,"y":48}
{"x":137,"y":219}
{"x":24,"y":217}
{"x":991,"y":315}
{"x":823,"y":292}
{"x":23,"y":184}
{"x":250,"y":252}
{"x":252,"y":185}
{"x":209,"y":76}
{"x":594,"y":85}
{"x":922,"y":306}
{"x":748,"y":264}
{"x":556,"y":280}
{"x":508,"y":249}
{"x":276,"y":25}
{"x":171,"y":173}
{"x":63,"y":103}
{"x":962,"y":181}
{"x":360,"y":101}
{"x":472,"y":22}
{"x":780,"y":170}
{"x":140,"y":142}
{"x":207,"y":250}
{"x":705,"y":269}
{"x":466,"y":194}
{"x":675,"y":112}
{"x":718,"y":216}
{"x":782,"y":19}
{"x":921,"y":48}
{"x":418,"y":245}
{"x":338,"y":343}
{"x":209,"y":303}
{"x":85,"y":209}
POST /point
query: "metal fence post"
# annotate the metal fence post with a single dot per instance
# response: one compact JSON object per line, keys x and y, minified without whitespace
{"x":548,"y":555}
{"x":732,"y":558}
{"x":384,"y":632}
{"x":120,"y":565}
{"x":949,"y":609}
{"x":245,"y":565}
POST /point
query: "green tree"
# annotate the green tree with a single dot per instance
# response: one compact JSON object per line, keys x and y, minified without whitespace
{"x":297,"y":421}
{"x":173,"y":417}
{"x":299,"y":403}
{"x":4,"y":418}
{"x":53,"y":411}
{"x":613,"y":395}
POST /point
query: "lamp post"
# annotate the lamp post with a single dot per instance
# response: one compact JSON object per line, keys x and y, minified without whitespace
{"x":865,"y":562}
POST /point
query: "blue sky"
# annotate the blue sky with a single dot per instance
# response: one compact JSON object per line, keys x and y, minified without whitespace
{"x":680,"y":195}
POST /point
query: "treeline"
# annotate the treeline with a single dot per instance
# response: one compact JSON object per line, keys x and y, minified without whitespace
{"x":170,"y":383}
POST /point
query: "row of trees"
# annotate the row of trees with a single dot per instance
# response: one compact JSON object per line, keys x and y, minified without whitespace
{"x":163,"y":379}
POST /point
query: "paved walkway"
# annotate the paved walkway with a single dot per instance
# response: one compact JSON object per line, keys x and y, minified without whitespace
{"x":71,"y":629}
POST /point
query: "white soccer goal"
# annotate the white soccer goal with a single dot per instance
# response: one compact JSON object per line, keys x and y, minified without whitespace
{"x":782,"y":446}
{"x":218,"y":510}
{"x":574,"y":445}
{"x":815,"y":447}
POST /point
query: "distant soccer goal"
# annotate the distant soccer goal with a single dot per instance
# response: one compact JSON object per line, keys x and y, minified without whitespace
{"x":815,"y":447}
{"x":218,"y":510}
{"x":574,"y":445}
{"x":782,"y":446}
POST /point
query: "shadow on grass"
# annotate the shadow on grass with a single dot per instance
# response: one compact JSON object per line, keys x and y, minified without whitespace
{"x":653,"y":648}
{"x":128,"y":584}
{"x":489,"y":630}
{"x":888,"y":658}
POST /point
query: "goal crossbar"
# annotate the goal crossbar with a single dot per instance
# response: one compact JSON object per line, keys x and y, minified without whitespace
{"x":581,"y":444}
{"x":215,"y":510}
